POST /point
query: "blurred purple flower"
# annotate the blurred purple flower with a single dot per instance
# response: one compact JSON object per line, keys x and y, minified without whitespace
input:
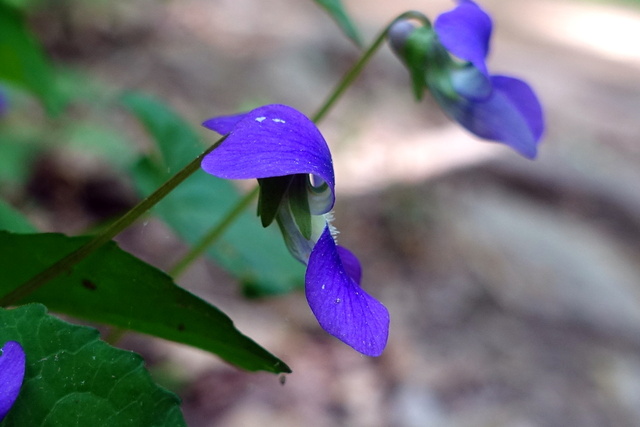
{"x":12,"y":366}
{"x":450,"y":60}
{"x":495,"y":107}
{"x":285,"y":151}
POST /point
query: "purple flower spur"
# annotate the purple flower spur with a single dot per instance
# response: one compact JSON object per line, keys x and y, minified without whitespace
{"x":285,"y":151}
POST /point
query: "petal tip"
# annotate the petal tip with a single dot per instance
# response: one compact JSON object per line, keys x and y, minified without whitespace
{"x":343,"y":308}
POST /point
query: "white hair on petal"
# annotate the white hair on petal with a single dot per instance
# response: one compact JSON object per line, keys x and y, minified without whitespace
{"x":329,"y":217}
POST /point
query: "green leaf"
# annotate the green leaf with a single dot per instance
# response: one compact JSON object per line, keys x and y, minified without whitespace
{"x":256,"y":256}
{"x":22,"y":60}
{"x":339,"y":14}
{"x":74,"y":379}
{"x":12,"y":220}
{"x":112,"y":286}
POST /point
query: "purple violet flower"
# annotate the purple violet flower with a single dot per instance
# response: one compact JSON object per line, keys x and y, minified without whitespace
{"x":12,"y":366}
{"x":285,"y":151}
{"x":494,"y":107}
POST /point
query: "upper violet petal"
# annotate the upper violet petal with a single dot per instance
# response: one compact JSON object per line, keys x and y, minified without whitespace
{"x":465,"y":32}
{"x":223,"y":124}
{"x":273,"y":140}
{"x":12,"y":367}
{"x":342,"y":308}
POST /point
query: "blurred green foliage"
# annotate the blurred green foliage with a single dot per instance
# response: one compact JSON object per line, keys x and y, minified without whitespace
{"x":337,"y":11}
{"x":23,"y":61}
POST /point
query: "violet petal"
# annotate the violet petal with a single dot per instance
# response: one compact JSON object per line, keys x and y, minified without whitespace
{"x":342,"y":308}
{"x":351,"y":264}
{"x":524,"y":99}
{"x":273,"y":140}
{"x":465,"y":32}
{"x":12,"y":367}
{"x":511,"y":115}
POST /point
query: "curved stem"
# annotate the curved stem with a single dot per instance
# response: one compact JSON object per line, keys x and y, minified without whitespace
{"x":65,"y":263}
{"x":349,"y":77}
{"x":357,"y":68}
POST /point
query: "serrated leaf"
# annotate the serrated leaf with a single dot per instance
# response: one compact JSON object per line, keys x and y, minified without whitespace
{"x":112,"y":286}
{"x":339,"y":14}
{"x":256,"y":256}
{"x":22,"y":60}
{"x":73,"y":379}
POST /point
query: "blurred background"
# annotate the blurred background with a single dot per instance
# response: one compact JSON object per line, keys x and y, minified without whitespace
{"x":513,"y":285}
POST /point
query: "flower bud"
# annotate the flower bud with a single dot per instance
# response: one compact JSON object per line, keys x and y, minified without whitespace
{"x":398,"y":34}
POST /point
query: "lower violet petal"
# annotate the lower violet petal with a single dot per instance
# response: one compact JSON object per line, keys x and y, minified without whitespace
{"x":342,"y":308}
{"x":351,"y":264}
{"x":12,"y":366}
{"x":497,"y":118}
{"x":524,"y":100}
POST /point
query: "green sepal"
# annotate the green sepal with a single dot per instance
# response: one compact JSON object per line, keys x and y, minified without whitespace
{"x":416,"y":52}
{"x":428,"y":62}
{"x":299,"y":203}
{"x":272,"y":192}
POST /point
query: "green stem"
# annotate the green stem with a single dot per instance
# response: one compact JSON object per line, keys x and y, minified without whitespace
{"x":357,"y":68}
{"x":349,"y":77}
{"x":65,"y":263}
{"x":213,"y":235}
